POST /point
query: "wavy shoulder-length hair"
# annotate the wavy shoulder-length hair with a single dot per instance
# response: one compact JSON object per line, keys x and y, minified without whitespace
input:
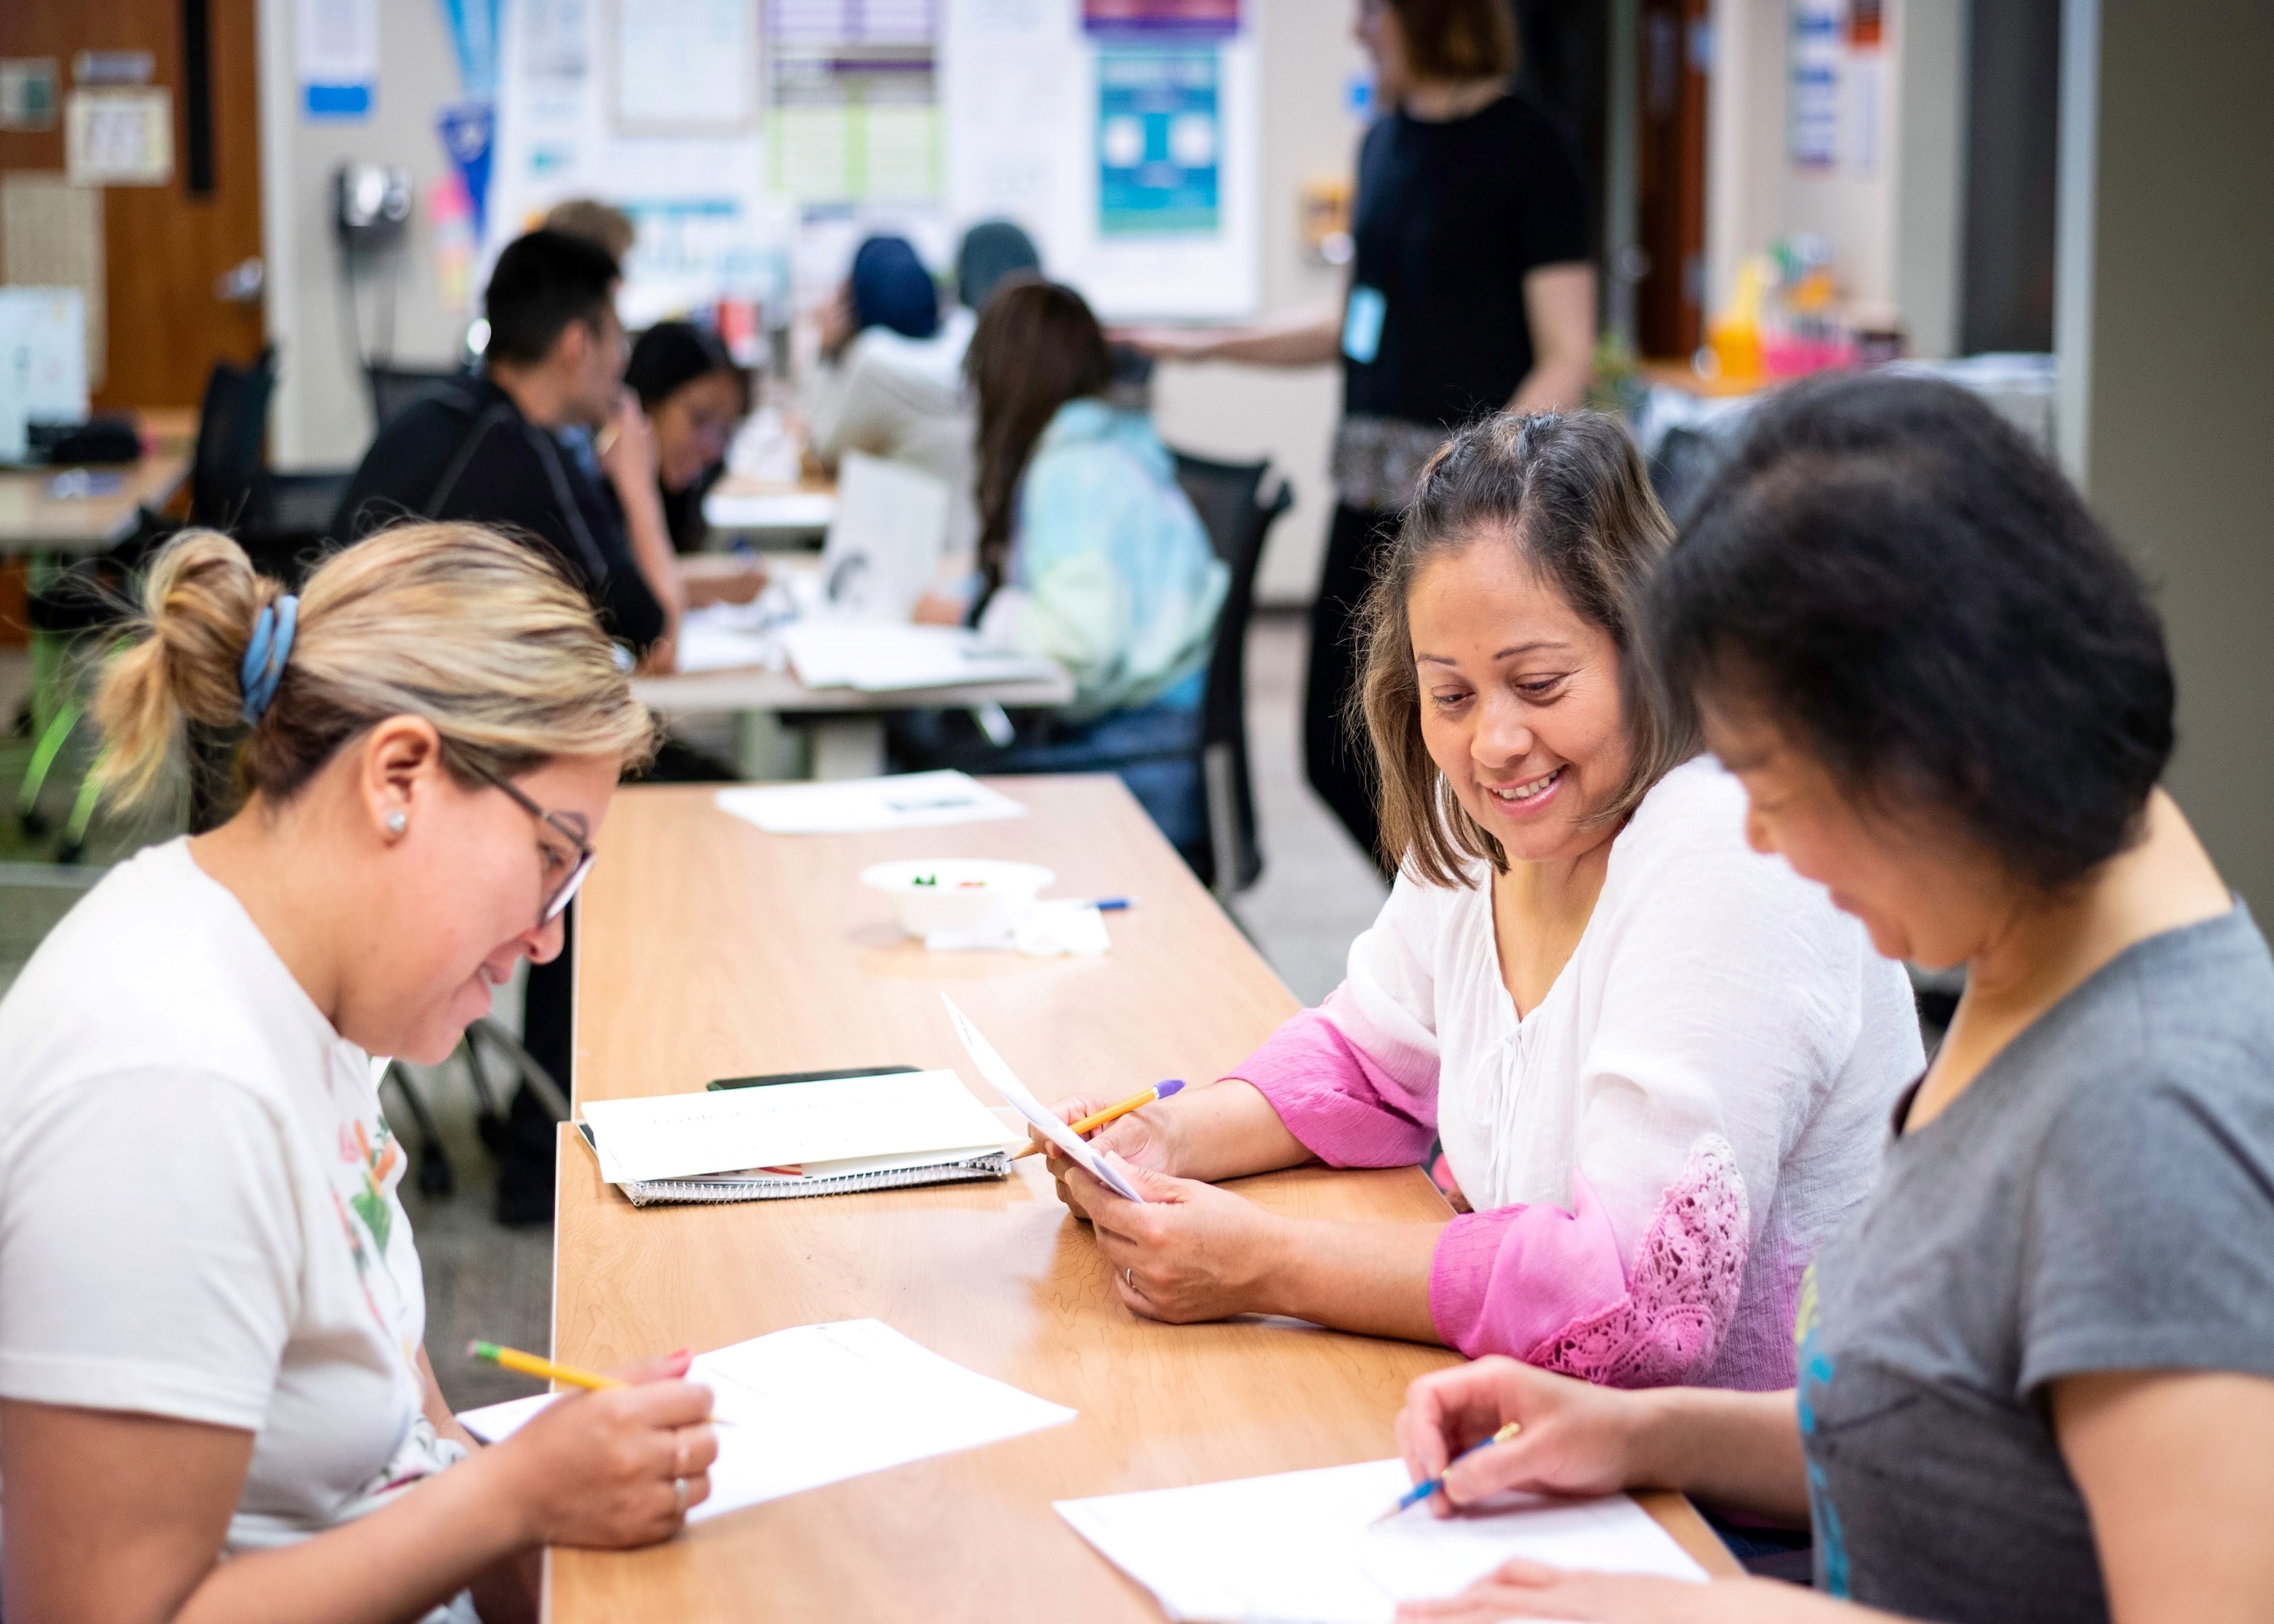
{"x":1568,"y":492}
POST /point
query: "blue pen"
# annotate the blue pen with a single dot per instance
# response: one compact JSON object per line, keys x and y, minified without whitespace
{"x":1420,"y":1492}
{"x":1111,"y":905}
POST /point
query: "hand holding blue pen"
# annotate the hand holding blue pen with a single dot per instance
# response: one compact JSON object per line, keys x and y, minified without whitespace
{"x":1420,"y":1492}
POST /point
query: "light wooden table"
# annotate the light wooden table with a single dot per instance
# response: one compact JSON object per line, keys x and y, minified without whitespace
{"x":741,"y":506}
{"x":845,"y":725}
{"x":710,"y":949}
{"x":34,"y":520}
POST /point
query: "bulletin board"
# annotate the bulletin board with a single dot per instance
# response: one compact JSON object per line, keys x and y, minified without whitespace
{"x":1123,"y":134}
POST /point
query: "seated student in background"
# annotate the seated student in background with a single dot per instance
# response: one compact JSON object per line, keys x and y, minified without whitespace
{"x":485,"y":448}
{"x":889,"y":382}
{"x":2037,"y":1370}
{"x":693,"y":396}
{"x":1090,"y":552}
{"x":214,"y":1402}
{"x":1658,"y":1062}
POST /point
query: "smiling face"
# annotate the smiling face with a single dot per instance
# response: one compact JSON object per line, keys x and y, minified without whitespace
{"x":458,"y":897}
{"x":1520,"y":705}
{"x":1925,"y":890}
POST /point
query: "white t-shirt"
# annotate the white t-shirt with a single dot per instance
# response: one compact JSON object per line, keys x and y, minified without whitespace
{"x":198,"y":1208}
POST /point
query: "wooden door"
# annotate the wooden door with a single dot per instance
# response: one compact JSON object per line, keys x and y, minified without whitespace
{"x":166,"y":248}
{"x":1670,"y":188}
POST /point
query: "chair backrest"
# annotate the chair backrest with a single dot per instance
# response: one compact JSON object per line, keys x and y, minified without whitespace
{"x":393,"y":387}
{"x":233,"y":421}
{"x":1226,"y":496}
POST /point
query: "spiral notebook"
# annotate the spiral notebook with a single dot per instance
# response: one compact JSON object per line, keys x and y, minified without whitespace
{"x":826,"y":1136}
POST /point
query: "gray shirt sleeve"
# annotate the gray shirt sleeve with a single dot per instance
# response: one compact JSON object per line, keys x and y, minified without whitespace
{"x":2149,"y":1240}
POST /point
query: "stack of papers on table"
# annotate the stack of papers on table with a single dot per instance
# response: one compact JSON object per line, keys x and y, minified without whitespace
{"x":821,"y":1403}
{"x":1305,"y":1546}
{"x":863,"y":806}
{"x":832,"y":1136}
{"x":883,"y":656}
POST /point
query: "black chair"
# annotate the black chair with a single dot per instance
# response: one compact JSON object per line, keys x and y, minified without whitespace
{"x":395,"y":388}
{"x":279,"y":519}
{"x":1228,"y":498}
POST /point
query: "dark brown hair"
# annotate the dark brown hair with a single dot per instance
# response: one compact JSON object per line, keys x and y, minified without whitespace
{"x":1457,"y":39}
{"x":1891,"y":574}
{"x":1569,"y":492}
{"x":1036,"y":347}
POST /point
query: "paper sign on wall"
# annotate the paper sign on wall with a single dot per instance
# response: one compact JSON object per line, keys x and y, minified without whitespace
{"x":337,"y":46}
{"x":119,"y":138}
{"x":1157,"y":141}
{"x":27,"y":93}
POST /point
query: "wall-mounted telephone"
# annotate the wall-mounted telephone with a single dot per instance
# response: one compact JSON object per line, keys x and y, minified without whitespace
{"x":370,"y":201}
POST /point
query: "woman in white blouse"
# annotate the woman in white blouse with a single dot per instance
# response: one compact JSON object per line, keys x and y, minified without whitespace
{"x":214,"y":1399}
{"x":1660,"y":1063}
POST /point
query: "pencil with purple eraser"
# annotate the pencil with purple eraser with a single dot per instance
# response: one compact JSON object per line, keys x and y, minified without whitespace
{"x":1091,"y":1124}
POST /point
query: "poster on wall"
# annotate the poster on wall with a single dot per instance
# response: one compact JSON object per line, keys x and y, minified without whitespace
{"x":335,"y":44}
{"x":1157,"y":141}
{"x":1813,"y":100}
{"x":1128,"y":149}
{"x":1186,"y":18}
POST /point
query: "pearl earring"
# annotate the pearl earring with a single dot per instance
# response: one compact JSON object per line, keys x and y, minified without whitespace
{"x":397,"y":822}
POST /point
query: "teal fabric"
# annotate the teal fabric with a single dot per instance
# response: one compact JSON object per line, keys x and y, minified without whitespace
{"x":1110,"y":572}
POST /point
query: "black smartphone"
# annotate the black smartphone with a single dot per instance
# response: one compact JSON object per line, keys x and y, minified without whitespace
{"x":771,"y":1078}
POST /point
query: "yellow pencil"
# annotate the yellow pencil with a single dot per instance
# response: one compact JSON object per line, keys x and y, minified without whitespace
{"x":545,"y":1369}
{"x":1092,"y":1122}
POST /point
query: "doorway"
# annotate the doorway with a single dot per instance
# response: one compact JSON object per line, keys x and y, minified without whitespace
{"x":1676,"y":50}
{"x":181,"y":261}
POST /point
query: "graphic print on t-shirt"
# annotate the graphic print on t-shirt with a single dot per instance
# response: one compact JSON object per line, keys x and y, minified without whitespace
{"x":1816,"y":1368}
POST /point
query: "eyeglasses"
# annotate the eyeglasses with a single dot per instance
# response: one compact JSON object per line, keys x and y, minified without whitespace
{"x":559,"y":824}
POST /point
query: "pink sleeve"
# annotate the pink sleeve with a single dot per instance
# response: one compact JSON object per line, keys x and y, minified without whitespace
{"x":1347,"y":1108}
{"x":1547,"y":1287}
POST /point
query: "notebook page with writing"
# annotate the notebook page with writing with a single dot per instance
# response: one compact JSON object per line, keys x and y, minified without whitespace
{"x":1306,"y":1545}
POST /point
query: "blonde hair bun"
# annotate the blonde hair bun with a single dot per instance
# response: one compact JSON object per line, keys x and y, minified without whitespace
{"x":477,"y":633}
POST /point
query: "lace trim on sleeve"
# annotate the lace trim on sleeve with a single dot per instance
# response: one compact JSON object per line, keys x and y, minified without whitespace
{"x":1682,"y":1291}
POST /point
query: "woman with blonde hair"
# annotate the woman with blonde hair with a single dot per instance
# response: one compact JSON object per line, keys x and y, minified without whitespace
{"x":213,"y":1400}
{"x":1658,"y":1062}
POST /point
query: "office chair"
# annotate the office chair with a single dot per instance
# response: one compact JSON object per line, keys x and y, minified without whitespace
{"x":1226,"y":496}
{"x":393,"y":387}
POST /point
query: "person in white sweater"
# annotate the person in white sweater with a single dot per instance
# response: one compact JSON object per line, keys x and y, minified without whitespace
{"x":1659,"y":1062}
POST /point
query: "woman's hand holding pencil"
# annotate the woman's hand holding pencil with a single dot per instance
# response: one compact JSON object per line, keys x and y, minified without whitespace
{"x":1124,"y":1127}
{"x":618,"y":1464}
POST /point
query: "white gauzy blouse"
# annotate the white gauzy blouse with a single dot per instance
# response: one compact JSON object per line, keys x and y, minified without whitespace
{"x":1655,"y":1153}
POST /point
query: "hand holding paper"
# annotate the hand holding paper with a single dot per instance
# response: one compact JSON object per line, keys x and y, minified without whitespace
{"x":1005,"y":1082}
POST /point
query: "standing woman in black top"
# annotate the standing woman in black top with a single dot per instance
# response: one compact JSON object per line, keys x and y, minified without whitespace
{"x":1470,"y":292}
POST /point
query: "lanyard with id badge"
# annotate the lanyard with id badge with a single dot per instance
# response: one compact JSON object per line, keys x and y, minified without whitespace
{"x":1362,"y":319}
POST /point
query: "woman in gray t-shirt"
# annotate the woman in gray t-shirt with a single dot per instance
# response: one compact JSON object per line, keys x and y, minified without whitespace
{"x":2037,"y":1375}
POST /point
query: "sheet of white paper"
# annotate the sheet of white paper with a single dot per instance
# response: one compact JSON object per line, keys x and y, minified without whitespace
{"x":880,"y":656}
{"x":834,"y":1119}
{"x":821,"y":1403}
{"x":725,"y":638}
{"x":1304,"y":1545}
{"x":1007,"y":1084}
{"x":862,"y":806}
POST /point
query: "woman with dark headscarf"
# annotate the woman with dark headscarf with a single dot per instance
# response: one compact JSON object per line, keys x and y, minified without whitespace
{"x":693,"y":395}
{"x":889,"y":382}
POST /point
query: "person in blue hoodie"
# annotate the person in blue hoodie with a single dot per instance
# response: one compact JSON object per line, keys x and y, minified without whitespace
{"x":1090,"y":552}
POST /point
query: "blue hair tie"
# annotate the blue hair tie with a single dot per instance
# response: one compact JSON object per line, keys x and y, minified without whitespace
{"x":265,"y":656}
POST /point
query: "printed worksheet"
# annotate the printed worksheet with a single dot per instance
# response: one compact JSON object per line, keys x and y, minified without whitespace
{"x":819,"y":1403}
{"x":1306,"y":1545}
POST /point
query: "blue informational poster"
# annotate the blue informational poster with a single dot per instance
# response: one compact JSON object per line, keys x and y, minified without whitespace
{"x":1159,"y":134}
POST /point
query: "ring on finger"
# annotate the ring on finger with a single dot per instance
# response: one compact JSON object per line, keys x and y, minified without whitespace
{"x":679,"y":1496}
{"x":1130,"y":1274}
